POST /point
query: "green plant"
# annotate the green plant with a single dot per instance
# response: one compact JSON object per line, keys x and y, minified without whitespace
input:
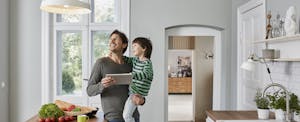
{"x":278,"y":101}
{"x":68,"y":84}
{"x":261,"y":102}
{"x":294,"y":103}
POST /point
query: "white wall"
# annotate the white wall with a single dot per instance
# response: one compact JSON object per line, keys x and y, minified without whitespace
{"x":235,"y":5}
{"x":4,"y":57}
{"x":25,"y":59}
{"x":149,"y":18}
{"x":285,"y":73}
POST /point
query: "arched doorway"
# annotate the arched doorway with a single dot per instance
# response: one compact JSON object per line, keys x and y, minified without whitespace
{"x":198,"y":31}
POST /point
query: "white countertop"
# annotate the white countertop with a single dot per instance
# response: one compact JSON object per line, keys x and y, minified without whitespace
{"x":271,"y":120}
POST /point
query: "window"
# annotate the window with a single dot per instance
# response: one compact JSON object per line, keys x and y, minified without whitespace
{"x":105,"y":11}
{"x":71,"y":45}
{"x":100,"y":44}
{"x":69,"y":57}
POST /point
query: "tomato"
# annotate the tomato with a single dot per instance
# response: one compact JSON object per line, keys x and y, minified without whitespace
{"x":41,"y":120}
{"x":52,"y":119}
{"x":61,"y":119}
{"x":67,"y":118}
{"x":71,"y":118}
{"x":71,"y":107}
{"x":47,"y":120}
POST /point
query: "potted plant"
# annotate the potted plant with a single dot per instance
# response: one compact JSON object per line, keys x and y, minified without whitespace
{"x":278,"y":102}
{"x":262,"y":104}
{"x":294,"y":106}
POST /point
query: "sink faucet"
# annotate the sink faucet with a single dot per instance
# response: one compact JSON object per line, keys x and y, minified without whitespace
{"x":287,"y":98}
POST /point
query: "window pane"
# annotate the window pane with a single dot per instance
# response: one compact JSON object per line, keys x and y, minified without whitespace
{"x":100,"y":44}
{"x":69,"y":18}
{"x":104,"y":11}
{"x":71,"y":63}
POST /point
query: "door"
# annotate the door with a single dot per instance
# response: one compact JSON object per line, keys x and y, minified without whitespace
{"x":3,"y":87}
{"x":251,"y":27}
{"x":4,"y":61}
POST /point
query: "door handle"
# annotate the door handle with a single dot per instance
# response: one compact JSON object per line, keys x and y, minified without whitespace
{"x":85,"y":79}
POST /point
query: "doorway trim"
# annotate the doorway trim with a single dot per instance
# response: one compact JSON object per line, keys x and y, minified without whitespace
{"x":218,"y":80}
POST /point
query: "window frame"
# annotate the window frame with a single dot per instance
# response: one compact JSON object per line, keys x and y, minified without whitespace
{"x":50,"y":27}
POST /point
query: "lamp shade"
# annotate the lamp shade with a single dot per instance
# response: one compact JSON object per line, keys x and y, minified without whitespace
{"x":248,"y":65}
{"x":65,"y":6}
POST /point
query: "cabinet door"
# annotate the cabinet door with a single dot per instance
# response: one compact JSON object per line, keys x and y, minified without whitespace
{"x":180,"y":85}
{"x":251,"y":26}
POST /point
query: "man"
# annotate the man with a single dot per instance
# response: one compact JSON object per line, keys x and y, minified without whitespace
{"x":113,"y":97}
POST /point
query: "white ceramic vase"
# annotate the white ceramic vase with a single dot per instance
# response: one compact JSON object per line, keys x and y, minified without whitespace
{"x":263,"y":113}
{"x":290,"y":24}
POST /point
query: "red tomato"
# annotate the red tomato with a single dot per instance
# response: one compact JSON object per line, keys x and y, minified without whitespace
{"x":71,"y":118}
{"x":41,"y":120}
{"x":47,"y":120}
{"x":67,"y":118}
{"x":71,"y":107}
{"x":52,"y":119}
{"x":61,"y":119}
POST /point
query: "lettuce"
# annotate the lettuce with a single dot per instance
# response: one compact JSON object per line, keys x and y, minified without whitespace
{"x":50,"y":110}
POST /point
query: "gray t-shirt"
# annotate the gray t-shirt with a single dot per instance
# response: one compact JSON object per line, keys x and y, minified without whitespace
{"x":113,"y":98}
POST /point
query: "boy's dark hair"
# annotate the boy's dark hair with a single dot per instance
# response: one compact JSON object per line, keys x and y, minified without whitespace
{"x":123,"y":38}
{"x":145,"y":44}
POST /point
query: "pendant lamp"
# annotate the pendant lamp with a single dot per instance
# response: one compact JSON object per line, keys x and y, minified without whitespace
{"x":65,"y":6}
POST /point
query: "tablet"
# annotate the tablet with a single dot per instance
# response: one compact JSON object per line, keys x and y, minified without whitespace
{"x":121,"y":79}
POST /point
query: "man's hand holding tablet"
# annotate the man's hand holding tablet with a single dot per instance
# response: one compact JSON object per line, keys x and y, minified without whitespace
{"x":121,"y":79}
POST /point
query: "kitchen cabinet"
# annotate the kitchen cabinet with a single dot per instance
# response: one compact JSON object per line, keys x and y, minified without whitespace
{"x":180,"y":85}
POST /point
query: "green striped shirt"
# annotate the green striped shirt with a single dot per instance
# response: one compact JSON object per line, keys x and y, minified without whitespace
{"x":142,"y":75}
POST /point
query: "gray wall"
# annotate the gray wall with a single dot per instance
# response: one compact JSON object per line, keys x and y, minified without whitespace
{"x":4,"y":57}
{"x":280,"y":6}
{"x":25,"y":59}
{"x":149,"y":18}
{"x":203,"y":76}
{"x":235,"y":5}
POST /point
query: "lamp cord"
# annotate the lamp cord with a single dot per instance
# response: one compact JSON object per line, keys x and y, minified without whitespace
{"x":268,"y":69}
{"x":269,"y":72}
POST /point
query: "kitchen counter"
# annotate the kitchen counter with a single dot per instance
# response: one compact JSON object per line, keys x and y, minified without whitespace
{"x":215,"y":116}
{"x":98,"y":118}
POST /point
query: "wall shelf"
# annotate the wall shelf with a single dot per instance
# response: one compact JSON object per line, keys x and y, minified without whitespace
{"x":284,"y":60}
{"x":279,"y":39}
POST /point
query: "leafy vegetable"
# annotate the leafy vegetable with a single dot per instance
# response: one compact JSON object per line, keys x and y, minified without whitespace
{"x":76,"y":110}
{"x":50,"y":110}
